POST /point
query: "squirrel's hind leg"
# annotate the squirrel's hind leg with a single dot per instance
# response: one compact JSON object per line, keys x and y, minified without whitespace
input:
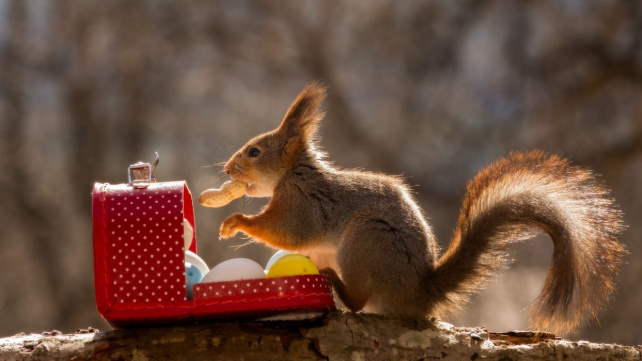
{"x":353,"y":298}
{"x":382,"y":263}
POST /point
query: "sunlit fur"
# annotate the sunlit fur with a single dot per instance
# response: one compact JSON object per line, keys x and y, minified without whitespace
{"x":519,"y":196}
{"x":379,"y":251}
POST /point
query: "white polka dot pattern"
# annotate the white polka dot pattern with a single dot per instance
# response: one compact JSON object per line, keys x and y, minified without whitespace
{"x":266,"y":287}
{"x":145,"y":262}
{"x":140,"y":273}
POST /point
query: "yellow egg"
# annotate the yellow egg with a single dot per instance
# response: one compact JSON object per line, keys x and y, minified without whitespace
{"x":292,"y":265}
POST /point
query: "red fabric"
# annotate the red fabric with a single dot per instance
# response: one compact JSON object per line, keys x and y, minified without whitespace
{"x":262,"y":288}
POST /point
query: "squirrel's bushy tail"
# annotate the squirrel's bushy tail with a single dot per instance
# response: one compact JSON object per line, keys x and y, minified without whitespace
{"x":514,"y":199}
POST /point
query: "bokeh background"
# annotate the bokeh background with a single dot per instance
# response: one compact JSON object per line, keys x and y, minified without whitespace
{"x":432,"y":90}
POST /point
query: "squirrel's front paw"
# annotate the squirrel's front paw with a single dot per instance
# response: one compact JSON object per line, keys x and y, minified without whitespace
{"x":230,"y":226}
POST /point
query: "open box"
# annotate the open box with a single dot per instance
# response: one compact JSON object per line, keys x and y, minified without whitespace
{"x":139,"y":263}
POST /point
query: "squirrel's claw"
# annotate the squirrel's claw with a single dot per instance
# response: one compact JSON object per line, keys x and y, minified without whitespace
{"x":229,"y":227}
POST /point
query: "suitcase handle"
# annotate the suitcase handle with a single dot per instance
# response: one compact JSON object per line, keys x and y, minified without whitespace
{"x":141,"y":174}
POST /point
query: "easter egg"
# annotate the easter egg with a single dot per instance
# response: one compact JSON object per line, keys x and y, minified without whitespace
{"x":188,"y":233}
{"x":193,"y":275}
{"x":292,"y":265}
{"x":197,"y":261}
{"x":276,"y":256}
{"x":234,"y":270}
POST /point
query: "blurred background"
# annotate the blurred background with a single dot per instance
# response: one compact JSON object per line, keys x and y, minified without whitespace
{"x":432,"y":90}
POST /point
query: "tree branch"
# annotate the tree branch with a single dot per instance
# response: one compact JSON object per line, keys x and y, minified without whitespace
{"x":340,"y":336}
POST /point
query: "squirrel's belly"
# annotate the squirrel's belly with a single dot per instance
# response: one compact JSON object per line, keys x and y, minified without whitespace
{"x":322,"y":256}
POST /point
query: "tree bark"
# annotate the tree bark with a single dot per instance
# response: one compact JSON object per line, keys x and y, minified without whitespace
{"x":339,"y":336}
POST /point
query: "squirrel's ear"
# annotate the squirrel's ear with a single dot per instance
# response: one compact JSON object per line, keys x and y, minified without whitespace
{"x":302,"y":118}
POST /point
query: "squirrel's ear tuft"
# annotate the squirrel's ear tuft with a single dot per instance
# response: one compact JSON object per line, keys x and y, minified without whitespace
{"x":303,"y":116}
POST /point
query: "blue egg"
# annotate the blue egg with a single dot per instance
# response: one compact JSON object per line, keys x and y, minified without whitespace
{"x":276,"y":256}
{"x":193,"y":275}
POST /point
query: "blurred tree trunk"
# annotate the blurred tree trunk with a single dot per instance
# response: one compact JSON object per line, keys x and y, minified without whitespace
{"x":29,"y":209}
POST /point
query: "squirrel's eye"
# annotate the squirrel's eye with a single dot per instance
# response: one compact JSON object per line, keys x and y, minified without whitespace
{"x":254,"y":152}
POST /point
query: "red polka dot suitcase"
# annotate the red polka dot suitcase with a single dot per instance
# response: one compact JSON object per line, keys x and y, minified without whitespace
{"x":140,"y":270}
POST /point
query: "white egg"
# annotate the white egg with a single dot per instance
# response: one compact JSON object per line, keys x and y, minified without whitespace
{"x":234,"y":270}
{"x":197,"y":261}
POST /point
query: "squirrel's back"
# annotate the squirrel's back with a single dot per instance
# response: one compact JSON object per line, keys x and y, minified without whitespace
{"x":330,"y":196}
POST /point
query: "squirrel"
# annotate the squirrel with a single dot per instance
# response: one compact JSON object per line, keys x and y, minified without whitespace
{"x":379,"y":251}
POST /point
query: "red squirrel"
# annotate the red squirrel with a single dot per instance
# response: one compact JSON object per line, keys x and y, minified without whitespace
{"x":376,"y":246}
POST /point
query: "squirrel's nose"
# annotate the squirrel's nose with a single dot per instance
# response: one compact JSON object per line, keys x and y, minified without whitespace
{"x":227,"y":169}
